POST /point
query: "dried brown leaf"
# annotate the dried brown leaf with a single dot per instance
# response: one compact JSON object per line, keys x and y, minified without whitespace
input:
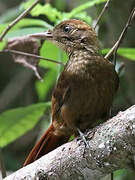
{"x":27,"y":45}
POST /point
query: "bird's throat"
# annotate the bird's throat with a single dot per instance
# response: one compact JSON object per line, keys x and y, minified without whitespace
{"x":80,"y":61}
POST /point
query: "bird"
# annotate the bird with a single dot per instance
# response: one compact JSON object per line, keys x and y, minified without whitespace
{"x":85,"y":89}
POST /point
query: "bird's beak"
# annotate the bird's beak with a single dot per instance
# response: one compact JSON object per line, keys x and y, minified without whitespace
{"x":42,"y":35}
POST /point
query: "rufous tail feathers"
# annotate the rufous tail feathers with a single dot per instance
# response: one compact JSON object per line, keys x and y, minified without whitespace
{"x":48,"y":142}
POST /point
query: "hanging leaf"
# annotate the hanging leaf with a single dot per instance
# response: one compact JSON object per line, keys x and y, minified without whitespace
{"x":27,"y":45}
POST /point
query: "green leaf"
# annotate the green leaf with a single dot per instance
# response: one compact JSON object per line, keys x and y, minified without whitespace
{"x":83,"y":16}
{"x":44,"y":87}
{"x":3,"y":27}
{"x":56,"y":16}
{"x":32,"y":22}
{"x":84,"y":7}
{"x":25,"y":23}
{"x":2,"y":45}
{"x":27,"y":4}
{"x":23,"y":32}
{"x":124,"y":174}
{"x":14,"y":123}
{"x":52,"y":13}
{"x":51,"y":51}
{"x":105,"y":51}
{"x":125,"y":52}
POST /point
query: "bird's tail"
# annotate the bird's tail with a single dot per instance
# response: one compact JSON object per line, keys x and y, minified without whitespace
{"x":48,"y":142}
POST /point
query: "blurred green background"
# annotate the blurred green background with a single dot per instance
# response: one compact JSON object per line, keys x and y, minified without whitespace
{"x":24,"y":100}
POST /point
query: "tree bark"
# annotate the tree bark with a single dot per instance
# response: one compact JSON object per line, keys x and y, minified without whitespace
{"x":111,"y":147}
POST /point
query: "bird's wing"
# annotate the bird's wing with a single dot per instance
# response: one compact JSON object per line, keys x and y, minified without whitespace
{"x":60,"y":94}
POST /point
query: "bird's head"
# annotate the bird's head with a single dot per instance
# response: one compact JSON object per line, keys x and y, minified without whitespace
{"x":71,"y":35}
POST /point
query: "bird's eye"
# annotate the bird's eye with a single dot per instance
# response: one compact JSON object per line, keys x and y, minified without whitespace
{"x":67,"y":29}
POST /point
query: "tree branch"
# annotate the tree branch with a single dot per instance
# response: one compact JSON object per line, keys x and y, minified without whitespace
{"x":102,"y":12}
{"x":18,"y":19}
{"x":112,"y":142}
{"x":117,"y":44}
{"x":32,"y":55}
{"x":2,"y":165}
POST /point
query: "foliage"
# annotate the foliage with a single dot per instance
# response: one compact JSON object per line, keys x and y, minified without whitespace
{"x":16,"y":122}
{"x":124,"y":52}
{"x":56,"y":16}
{"x":25,"y":26}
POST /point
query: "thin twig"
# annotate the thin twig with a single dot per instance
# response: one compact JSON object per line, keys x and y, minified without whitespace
{"x":117,"y":44}
{"x":102,"y":12}
{"x":2,"y":166}
{"x":18,"y":19}
{"x":31,"y":55}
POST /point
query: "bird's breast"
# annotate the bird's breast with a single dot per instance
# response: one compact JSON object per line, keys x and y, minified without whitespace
{"x":92,"y":83}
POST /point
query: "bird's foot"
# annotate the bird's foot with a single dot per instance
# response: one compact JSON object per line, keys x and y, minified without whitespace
{"x":84,"y":140}
{"x":83,"y":137}
{"x":90,"y":136}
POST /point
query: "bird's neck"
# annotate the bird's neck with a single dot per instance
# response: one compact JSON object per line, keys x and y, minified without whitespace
{"x":79,"y":61}
{"x":90,"y":50}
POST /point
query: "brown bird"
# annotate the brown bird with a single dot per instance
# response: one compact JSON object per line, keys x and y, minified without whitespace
{"x":85,"y":89}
